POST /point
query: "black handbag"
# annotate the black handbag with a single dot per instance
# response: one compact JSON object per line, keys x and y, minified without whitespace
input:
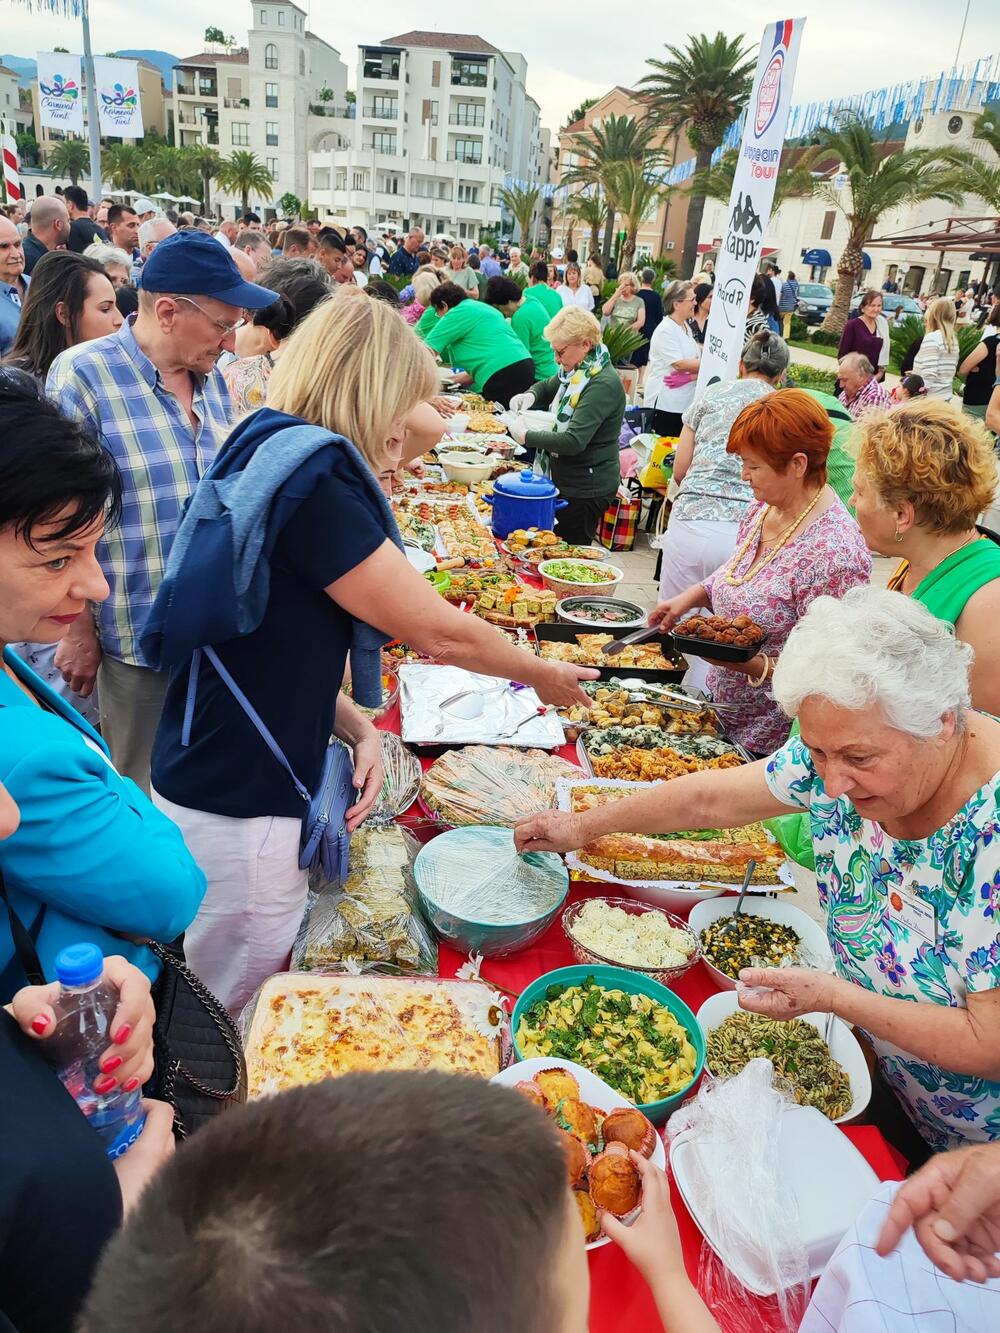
{"x":199,"y":1067}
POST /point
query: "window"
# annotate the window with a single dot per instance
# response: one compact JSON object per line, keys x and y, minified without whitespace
{"x":341,"y":181}
{"x":321,"y":178}
{"x":469,"y":73}
{"x":281,"y":18}
{"x":272,"y":167}
{"x":467,"y":150}
{"x":271,"y":133}
{"x":270,"y":94}
{"x":384,"y":141}
{"x":302,"y":62}
{"x":241,"y":134}
{"x":468,"y":113}
{"x":828,"y":221}
{"x":495,"y":196}
{"x":263,"y":18}
{"x":468,"y":194}
{"x":444,"y":189}
{"x":358,"y":180}
{"x":379,"y":65}
{"x":270,"y":56}
{"x":384,"y":108}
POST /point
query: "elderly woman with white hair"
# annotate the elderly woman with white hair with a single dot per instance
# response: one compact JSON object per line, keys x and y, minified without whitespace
{"x":117,"y":264}
{"x":900,"y":781}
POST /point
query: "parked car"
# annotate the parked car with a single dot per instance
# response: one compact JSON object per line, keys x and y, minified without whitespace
{"x":815,"y":299}
{"x":894,"y":306}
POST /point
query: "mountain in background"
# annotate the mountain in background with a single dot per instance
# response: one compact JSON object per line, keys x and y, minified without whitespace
{"x":27,"y":69}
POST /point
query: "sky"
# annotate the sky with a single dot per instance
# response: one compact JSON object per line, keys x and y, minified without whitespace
{"x":574,"y":50}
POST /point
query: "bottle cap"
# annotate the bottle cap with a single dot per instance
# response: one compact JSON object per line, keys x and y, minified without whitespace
{"x":79,"y":964}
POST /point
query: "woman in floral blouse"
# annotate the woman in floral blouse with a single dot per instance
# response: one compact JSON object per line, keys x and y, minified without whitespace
{"x":901,"y":782}
{"x":794,"y":543}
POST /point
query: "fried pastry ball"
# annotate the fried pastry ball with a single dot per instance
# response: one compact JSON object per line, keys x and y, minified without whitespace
{"x":631,"y":1128}
{"x":588,"y":1215}
{"x":579,"y":1119}
{"x":577,"y":1156}
{"x":615,"y":1184}
{"x":556,"y":1085}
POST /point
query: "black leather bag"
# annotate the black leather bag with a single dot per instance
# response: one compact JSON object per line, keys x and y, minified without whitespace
{"x":199,"y":1067}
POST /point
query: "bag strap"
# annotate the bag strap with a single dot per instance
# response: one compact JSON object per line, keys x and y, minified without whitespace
{"x":243,"y":702}
{"x":24,"y":945}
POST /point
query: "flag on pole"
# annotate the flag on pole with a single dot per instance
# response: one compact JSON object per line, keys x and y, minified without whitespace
{"x":60,"y":91}
{"x":118,"y":103}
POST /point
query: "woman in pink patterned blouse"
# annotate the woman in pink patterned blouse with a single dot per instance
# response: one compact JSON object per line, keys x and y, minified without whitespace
{"x":797,"y":542}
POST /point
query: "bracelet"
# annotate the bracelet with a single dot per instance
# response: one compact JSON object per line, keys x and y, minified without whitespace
{"x":757,"y":681}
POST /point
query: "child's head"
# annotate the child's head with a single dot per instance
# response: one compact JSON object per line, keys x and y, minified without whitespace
{"x":910,"y":386}
{"x":371,"y":1203}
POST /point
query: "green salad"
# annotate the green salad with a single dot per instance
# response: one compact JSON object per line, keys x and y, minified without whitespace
{"x":576,"y":571}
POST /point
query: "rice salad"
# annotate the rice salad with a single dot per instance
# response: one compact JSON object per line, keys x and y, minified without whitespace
{"x":643,"y":940}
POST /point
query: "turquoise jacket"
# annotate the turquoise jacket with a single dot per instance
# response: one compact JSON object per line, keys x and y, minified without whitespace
{"x":91,"y":849}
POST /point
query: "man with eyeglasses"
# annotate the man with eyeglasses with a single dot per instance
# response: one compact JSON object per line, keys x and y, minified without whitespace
{"x":153,"y":392}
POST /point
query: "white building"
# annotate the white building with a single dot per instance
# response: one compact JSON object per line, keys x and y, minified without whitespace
{"x":814,"y":228}
{"x":443,"y":120}
{"x":18,"y":117}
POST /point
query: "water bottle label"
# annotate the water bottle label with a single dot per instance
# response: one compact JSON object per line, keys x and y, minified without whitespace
{"x":127,"y":1137}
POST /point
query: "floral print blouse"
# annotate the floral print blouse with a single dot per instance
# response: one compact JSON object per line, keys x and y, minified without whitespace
{"x":824,"y":559}
{"x":713,"y":486}
{"x":246,"y":378}
{"x":957,"y":872}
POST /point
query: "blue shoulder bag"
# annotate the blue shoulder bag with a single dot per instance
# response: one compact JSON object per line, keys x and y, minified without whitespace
{"x":325,"y":839}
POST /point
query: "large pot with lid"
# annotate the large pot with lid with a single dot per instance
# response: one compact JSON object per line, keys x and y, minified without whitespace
{"x":523,"y":500}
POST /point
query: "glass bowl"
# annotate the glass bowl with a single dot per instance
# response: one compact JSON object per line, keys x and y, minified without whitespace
{"x":586,"y":956}
{"x":390,"y":695}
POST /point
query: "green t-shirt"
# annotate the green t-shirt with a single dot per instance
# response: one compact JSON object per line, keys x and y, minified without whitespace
{"x":426,"y":322}
{"x":529,"y":322}
{"x":549,"y":297}
{"x":477,"y":338}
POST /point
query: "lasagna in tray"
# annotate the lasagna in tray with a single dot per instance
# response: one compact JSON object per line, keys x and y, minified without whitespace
{"x":307,"y":1028}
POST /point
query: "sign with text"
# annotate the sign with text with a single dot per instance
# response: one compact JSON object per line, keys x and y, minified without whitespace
{"x":750,"y":200}
{"x":118,"y":106}
{"x":60,"y":92}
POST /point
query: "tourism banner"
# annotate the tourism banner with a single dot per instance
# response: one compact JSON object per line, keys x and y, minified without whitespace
{"x":118,"y":105}
{"x":750,"y":200}
{"x":60,"y":92}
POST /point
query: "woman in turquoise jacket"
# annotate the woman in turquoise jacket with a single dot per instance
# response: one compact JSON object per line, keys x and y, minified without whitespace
{"x":92,"y":854}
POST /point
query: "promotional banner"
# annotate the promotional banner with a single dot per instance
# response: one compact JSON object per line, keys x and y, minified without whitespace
{"x":60,"y":91}
{"x":118,"y":105}
{"x":750,"y":201}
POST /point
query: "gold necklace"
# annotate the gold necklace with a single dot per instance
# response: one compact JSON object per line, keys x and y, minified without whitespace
{"x":737,"y":580}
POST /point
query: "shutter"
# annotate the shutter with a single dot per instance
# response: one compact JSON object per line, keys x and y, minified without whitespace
{"x":436,"y":74}
{"x":425,"y":111}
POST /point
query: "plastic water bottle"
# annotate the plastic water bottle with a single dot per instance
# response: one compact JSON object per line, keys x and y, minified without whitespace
{"x":85,"y":1011}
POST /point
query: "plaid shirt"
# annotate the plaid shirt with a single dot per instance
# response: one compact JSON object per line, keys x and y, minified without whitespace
{"x":873,"y":395}
{"x":114,"y":388}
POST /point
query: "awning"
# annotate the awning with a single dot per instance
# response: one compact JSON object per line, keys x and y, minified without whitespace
{"x":704,"y":247}
{"x":817,"y":258}
{"x":866,"y":260}
{"x":768,"y":250}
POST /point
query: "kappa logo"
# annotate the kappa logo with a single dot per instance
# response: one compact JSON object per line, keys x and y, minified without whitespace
{"x":743,"y":222}
{"x":730,"y":295}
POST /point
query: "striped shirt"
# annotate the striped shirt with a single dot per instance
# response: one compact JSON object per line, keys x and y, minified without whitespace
{"x":114,"y":388}
{"x":873,"y":396}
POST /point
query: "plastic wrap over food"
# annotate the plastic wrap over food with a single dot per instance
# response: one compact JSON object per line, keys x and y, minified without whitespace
{"x":401,"y":783}
{"x":476,"y":875}
{"x":731,"y":1171}
{"x":492,"y":784}
{"x":373,"y":921}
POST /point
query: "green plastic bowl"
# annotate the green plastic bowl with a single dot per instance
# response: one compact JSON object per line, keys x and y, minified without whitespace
{"x":439,"y":579}
{"x":616,"y":978}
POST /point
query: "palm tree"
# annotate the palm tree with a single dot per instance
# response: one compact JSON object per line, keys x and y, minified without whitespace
{"x":70,"y":158}
{"x":877,"y":183}
{"x":522,"y":204}
{"x":242,"y":174}
{"x":207,"y":161}
{"x":121,"y":163}
{"x":792,"y":181}
{"x":638,"y":194}
{"x":590,"y":209}
{"x":703,"y":88}
{"x":602,"y":150}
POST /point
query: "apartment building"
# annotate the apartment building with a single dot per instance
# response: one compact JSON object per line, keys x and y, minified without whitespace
{"x":152,"y":99}
{"x":16,"y":115}
{"x":443,"y":120}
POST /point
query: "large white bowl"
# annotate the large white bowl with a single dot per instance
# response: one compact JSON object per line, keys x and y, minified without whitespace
{"x":811,"y":934}
{"x":844,"y":1046}
{"x":674,"y":897}
{"x":593,"y":1090}
{"x":606,"y":588}
{"x":466,"y":467}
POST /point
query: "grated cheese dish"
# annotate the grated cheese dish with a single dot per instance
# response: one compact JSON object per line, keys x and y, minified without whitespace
{"x":635,"y":940}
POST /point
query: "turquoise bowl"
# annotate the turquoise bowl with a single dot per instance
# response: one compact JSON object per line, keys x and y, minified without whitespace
{"x":632,"y":983}
{"x":485,"y":846}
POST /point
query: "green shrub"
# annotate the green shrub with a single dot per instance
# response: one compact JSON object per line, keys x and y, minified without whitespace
{"x":621,"y":342}
{"x":825,"y":338}
{"x":902,"y":336}
{"x":810,"y":377}
{"x":609,"y":289}
{"x":799,"y":330}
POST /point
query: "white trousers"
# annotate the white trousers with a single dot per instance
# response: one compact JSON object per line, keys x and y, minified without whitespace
{"x":692,"y":549}
{"x":256,"y":894}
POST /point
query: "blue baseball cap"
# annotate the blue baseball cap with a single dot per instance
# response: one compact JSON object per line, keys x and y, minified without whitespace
{"x":192,"y":263}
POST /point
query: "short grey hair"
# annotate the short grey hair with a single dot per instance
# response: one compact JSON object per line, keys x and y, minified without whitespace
{"x":676,"y":291}
{"x":648,"y":276}
{"x":856,"y":361}
{"x":766,"y":354}
{"x":103,"y":253}
{"x":877,"y":648}
{"x":155,"y":230}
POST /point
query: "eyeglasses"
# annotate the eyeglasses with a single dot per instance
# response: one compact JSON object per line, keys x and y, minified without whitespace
{"x":227,"y":329}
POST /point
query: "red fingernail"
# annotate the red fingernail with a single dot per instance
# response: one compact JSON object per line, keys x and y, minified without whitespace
{"x":123,"y":1034}
{"x":39,"y":1023}
{"x":103,"y":1084}
{"x":112,"y":1063}
{"x":130,"y":1085}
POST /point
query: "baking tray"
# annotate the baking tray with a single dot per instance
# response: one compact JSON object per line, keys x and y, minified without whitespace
{"x":586,"y":763}
{"x":721,"y":652}
{"x":671,"y":674}
{"x":423,"y":687}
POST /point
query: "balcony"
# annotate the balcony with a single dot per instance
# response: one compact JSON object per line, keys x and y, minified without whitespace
{"x":382,"y":113}
{"x":183,"y":88}
{"x":467,"y":121}
{"x":377,"y":70}
{"x":336,"y":112}
{"x":471,"y":159}
{"x":237,"y":103}
{"x":385,"y":151}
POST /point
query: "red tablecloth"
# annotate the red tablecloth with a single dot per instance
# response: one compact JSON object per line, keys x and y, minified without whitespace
{"x":620,"y":1301}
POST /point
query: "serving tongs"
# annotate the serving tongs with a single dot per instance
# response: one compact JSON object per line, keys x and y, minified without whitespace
{"x":660,"y":694}
{"x":639,"y":636}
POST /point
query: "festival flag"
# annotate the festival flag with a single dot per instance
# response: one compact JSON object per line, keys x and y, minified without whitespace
{"x":118,"y":104}
{"x":60,"y":92}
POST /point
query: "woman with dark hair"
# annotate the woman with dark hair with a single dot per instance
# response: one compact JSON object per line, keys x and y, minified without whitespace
{"x":528,"y":320}
{"x":71,"y":300}
{"x":301,"y":284}
{"x":702,"y":305}
{"x":868,"y":333}
{"x":92,"y":855}
{"x":475,"y":336}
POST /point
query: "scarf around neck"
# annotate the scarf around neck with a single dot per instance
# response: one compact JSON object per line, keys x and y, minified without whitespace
{"x":574,"y":382}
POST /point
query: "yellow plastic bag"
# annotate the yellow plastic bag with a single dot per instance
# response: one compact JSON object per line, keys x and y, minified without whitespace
{"x":658,"y":471}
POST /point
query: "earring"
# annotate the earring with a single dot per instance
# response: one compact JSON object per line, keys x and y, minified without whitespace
{"x":899,"y":535}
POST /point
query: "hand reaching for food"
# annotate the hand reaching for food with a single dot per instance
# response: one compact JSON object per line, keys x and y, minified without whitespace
{"x":550,"y":831}
{"x":786,"y":992}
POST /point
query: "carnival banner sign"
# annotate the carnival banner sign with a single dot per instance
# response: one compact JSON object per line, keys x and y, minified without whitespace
{"x":118,"y":104}
{"x":750,"y":200}
{"x":60,"y":92}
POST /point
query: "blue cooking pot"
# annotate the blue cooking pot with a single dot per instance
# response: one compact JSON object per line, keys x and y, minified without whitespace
{"x":523,"y":500}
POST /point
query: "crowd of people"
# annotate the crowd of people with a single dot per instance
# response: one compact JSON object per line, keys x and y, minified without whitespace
{"x":153,"y":363}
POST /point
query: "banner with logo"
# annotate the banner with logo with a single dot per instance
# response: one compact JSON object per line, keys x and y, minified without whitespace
{"x":750,"y":200}
{"x":60,"y":92}
{"x":118,"y":105}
